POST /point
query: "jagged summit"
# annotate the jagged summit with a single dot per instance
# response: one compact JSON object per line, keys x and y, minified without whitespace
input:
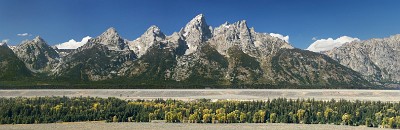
{"x":198,"y":23}
{"x":199,"y":17}
{"x":152,"y":36}
{"x":38,"y":39}
{"x":242,"y":24}
{"x":199,"y":20}
{"x":111,"y":39}
{"x":154,"y":31}
{"x":110,"y":33}
{"x":195,"y":33}
{"x":236,"y":26}
{"x":236,"y":34}
{"x":37,"y":54}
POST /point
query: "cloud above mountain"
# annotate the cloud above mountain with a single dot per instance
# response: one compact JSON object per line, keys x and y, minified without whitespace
{"x":280,"y":36}
{"x":24,"y":34}
{"x":72,"y":44}
{"x":330,"y":43}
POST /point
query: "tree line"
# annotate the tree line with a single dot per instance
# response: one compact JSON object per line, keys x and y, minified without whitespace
{"x":23,"y":110}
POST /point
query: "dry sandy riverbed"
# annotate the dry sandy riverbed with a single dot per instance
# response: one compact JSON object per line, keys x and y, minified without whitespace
{"x":178,"y":126}
{"x":214,"y":94}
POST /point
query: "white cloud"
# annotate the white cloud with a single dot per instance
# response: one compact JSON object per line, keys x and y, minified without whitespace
{"x":314,"y":38}
{"x":72,"y":44}
{"x":280,"y":36}
{"x":24,"y":34}
{"x":330,"y":43}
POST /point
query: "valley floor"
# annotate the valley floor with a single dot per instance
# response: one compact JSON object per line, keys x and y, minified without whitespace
{"x":178,"y":126}
{"x":213,"y":94}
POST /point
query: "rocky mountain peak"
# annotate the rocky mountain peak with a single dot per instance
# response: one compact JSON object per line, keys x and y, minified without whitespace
{"x":198,"y":21}
{"x":199,"y":24}
{"x":154,"y":31}
{"x":152,"y":36}
{"x":38,"y":39}
{"x":37,"y":42}
{"x":111,"y":39}
{"x":37,"y":54}
{"x":111,"y":30}
{"x":236,"y":34}
{"x":110,"y":33}
{"x":199,"y":17}
{"x":242,"y":24}
{"x":195,"y":32}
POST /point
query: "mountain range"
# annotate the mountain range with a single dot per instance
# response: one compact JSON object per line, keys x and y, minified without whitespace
{"x":229,"y":56}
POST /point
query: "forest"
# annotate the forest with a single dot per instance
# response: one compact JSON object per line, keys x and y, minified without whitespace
{"x":24,"y":110}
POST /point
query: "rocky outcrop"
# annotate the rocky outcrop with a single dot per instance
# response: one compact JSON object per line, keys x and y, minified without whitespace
{"x":195,"y":33}
{"x":100,"y":58}
{"x":377,"y":59}
{"x":111,"y":39}
{"x":37,"y":55}
{"x":147,"y":40}
{"x":250,"y":42}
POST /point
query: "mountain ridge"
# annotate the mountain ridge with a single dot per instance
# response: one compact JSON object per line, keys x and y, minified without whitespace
{"x":376,"y":59}
{"x":228,"y":55}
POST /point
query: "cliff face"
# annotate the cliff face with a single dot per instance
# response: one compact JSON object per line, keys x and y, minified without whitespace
{"x":99,"y":59}
{"x":37,"y":55}
{"x":376,"y":59}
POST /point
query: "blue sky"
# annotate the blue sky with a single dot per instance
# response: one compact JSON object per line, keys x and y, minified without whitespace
{"x":58,"y":21}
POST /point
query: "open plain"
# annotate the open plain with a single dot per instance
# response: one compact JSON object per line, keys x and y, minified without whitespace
{"x":213,"y":94}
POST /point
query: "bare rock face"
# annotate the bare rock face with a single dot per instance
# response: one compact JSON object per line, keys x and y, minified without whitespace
{"x":111,"y":39}
{"x":377,"y":59}
{"x":148,"y":39}
{"x":37,"y":55}
{"x":250,"y":42}
{"x":229,"y":35}
{"x":100,"y":58}
{"x":195,"y":33}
